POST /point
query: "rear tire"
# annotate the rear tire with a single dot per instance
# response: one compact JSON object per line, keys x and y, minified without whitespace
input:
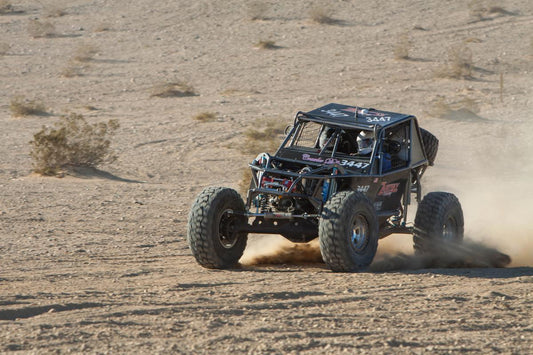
{"x":431,"y":145}
{"x":439,"y":223}
{"x":211,"y":228}
{"x":348,"y":232}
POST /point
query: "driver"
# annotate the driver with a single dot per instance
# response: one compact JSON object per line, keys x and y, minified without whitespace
{"x":365,"y":142}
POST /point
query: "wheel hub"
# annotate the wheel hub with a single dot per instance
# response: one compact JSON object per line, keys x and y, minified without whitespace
{"x":360,"y":231}
{"x":449,"y":229}
{"x":226,"y":230}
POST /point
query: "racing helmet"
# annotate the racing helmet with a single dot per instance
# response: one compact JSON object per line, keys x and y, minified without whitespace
{"x":365,"y":140}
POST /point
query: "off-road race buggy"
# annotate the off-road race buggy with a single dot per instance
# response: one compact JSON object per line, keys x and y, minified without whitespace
{"x":322,"y":182}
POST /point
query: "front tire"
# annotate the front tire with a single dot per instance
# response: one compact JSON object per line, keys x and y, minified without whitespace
{"x":348,"y":232}
{"x":211,"y":228}
{"x":439,"y":222}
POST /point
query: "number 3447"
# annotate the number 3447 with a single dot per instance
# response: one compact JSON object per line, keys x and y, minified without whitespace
{"x":353,"y":164}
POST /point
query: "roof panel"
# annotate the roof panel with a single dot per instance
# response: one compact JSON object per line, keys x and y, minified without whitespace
{"x":345,"y":114}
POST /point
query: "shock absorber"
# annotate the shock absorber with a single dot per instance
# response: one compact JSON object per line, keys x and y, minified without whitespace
{"x":329,"y":187}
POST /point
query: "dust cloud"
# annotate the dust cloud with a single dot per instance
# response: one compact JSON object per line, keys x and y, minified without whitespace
{"x":270,"y":250}
{"x":489,"y":166}
{"x":275,"y":249}
{"x":468,"y":254}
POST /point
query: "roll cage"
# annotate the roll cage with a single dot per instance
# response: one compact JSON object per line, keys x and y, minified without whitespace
{"x":288,"y":190}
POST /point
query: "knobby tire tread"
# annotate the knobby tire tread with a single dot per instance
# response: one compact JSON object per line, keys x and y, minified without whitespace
{"x":336,"y":218}
{"x":428,"y":220}
{"x":200,"y":229}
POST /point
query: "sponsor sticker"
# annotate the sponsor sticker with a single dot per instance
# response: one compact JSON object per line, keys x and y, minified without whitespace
{"x":388,"y":189}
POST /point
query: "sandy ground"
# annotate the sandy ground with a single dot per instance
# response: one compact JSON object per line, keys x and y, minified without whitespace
{"x":98,"y":262}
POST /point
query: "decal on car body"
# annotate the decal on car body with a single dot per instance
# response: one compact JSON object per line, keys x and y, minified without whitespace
{"x":388,"y":189}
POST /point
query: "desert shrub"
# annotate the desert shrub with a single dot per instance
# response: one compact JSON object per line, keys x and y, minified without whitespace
{"x":5,"y":7}
{"x":459,"y":63}
{"x":469,"y":104}
{"x":439,"y":108}
{"x":257,"y":10}
{"x":38,"y":29}
{"x":80,"y":61}
{"x":4,"y":48}
{"x":473,"y":40}
{"x":85,"y":53}
{"x":266,"y":44}
{"x":72,"y":142}
{"x":54,"y":11}
{"x":19,"y":106}
{"x":477,"y":9}
{"x":265,"y":137}
{"x":466,"y":108}
{"x":498,"y":10}
{"x":322,"y":15}
{"x":173,"y":89}
{"x":205,"y":117}
{"x":403,"y":46}
{"x":102,"y":27}
{"x":73,"y":69}
{"x":483,"y":9}
{"x":244,"y":182}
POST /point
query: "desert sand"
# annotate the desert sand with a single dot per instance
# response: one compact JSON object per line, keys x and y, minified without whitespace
{"x":97,"y":261}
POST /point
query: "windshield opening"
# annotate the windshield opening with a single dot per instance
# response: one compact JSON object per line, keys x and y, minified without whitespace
{"x":331,"y":140}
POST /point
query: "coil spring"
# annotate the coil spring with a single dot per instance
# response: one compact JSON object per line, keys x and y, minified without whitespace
{"x":263,"y":204}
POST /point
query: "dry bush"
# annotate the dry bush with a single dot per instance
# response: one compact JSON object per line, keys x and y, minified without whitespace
{"x":322,"y":15}
{"x":54,"y":11}
{"x":38,"y":29}
{"x":102,"y":27}
{"x":464,"y":109}
{"x":74,"y":69}
{"x":205,"y":117}
{"x":473,"y":40}
{"x":244,"y":182}
{"x":20,"y":106}
{"x":403,"y":46}
{"x":85,"y":53}
{"x":265,"y":44}
{"x":459,"y":64}
{"x":498,"y":10}
{"x":469,"y":104}
{"x":173,"y":89}
{"x":257,"y":10}
{"x":72,"y":142}
{"x":440,"y":108}
{"x":482,"y":9}
{"x":477,"y":8}
{"x":79,"y":62}
{"x":265,"y":138}
{"x":4,"y":48}
{"x":5,"y":7}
